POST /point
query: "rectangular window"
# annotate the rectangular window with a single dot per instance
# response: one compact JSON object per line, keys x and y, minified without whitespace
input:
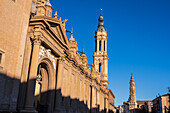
{"x":100,"y":67}
{"x":100,"y":45}
{"x":2,"y":58}
{"x":104,"y":45}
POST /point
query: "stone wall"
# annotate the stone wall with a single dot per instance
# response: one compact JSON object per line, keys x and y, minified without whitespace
{"x":13,"y":30}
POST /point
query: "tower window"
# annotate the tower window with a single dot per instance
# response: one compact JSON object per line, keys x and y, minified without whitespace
{"x":100,"y":45}
{"x":100,"y":67}
{"x":48,"y":13}
{"x":104,"y":46}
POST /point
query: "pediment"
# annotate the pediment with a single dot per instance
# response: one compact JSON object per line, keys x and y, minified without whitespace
{"x":58,"y":29}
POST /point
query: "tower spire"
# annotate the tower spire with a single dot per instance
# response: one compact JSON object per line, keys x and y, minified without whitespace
{"x":132,"y":97}
{"x":132,"y":76}
{"x":100,"y":12}
{"x":83,"y":48}
{"x":71,"y":37}
{"x":72,"y":30}
{"x":101,"y":22}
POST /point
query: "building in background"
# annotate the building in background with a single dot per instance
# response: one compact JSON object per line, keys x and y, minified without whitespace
{"x":161,"y":104}
{"x":145,"y":105}
{"x":41,"y":70}
{"x":111,"y":102}
{"x":133,"y":106}
{"x":132,"y":97}
{"x":124,"y":108}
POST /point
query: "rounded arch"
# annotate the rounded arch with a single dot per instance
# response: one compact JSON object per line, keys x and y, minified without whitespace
{"x":51,"y":71}
{"x":45,"y":86}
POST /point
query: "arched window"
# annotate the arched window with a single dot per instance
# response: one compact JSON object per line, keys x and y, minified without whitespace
{"x":100,"y":45}
{"x":100,"y":67}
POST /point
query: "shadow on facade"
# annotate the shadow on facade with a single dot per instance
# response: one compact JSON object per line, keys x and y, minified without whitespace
{"x":51,"y":101}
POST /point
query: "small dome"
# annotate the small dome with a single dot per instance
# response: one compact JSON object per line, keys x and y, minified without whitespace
{"x":101,"y":18}
{"x":71,"y":37}
{"x":48,"y":4}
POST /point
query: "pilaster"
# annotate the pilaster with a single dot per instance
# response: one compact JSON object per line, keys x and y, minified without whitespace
{"x":58,"y":101}
{"x":32,"y":76}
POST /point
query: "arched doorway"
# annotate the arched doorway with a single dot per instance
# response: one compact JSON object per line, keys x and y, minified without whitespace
{"x":45,"y":82}
{"x":41,"y":89}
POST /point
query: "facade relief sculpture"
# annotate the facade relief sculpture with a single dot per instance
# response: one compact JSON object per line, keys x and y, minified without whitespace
{"x":47,"y":53}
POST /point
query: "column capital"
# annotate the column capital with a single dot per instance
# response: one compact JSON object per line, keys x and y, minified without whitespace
{"x":61,"y":59}
{"x":37,"y":40}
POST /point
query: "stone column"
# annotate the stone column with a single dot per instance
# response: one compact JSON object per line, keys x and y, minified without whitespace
{"x":75,"y":93}
{"x":24,"y":76}
{"x":101,"y":102}
{"x":107,"y":106}
{"x":102,"y":45}
{"x":78,"y":92}
{"x":93,"y":99}
{"x":98,"y":100}
{"x":68,"y":91}
{"x":58,"y":100}
{"x":32,"y":76}
{"x":97,"y":45}
{"x":89,"y":94}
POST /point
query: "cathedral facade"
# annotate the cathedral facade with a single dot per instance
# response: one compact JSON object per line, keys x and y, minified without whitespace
{"x":41,"y":70}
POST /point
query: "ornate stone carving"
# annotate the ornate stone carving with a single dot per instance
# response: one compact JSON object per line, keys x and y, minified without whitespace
{"x":47,"y":53}
{"x":37,"y":41}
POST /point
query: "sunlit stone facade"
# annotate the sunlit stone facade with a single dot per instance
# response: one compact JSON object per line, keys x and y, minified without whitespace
{"x":42,"y":70}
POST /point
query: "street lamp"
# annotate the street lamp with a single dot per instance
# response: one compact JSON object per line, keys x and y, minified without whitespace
{"x":39,"y":77}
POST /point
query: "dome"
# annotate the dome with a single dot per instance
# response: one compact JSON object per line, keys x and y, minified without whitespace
{"x":48,"y":4}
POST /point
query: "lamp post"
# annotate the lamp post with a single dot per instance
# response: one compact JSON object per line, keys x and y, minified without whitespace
{"x":39,"y":77}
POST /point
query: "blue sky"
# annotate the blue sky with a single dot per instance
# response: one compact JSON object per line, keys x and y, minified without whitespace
{"x":138,"y":41}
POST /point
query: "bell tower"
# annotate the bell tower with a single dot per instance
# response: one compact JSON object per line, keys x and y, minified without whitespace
{"x":100,"y":57}
{"x":132,"y":97}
